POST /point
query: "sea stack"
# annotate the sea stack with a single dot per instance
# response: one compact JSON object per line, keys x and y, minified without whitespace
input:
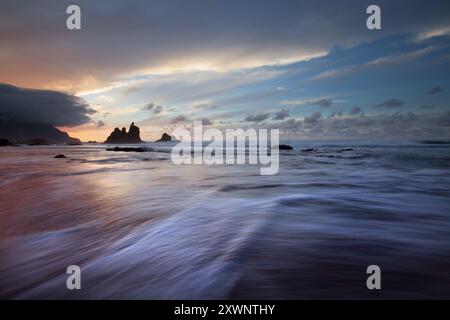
{"x":122,"y":136}
{"x":165,"y":138}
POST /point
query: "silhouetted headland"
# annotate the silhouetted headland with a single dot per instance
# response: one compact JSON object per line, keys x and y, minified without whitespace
{"x":5,"y":143}
{"x":28,"y":133}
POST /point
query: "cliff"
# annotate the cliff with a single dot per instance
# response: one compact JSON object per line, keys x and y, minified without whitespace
{"x":19,"y":131}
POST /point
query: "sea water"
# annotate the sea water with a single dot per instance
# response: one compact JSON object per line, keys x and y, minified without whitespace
{"x":142,"y":227}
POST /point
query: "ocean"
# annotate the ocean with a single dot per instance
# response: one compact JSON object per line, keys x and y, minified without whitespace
{"x":141,"y":227}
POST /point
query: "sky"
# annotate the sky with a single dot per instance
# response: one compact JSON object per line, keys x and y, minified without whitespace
{"x":309,"y":68}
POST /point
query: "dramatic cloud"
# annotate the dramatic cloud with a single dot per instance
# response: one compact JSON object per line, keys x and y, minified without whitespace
{"x":186,"y":35}
{"x":391,"y":103}
{"x":43,"y":106}
{"x":281,"y":115}
{"x":355,"y":110}
{"x":257,"y":117}
{"x":435,"y":90}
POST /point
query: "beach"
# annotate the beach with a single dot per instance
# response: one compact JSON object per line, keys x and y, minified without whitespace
{"x":141,"y":227}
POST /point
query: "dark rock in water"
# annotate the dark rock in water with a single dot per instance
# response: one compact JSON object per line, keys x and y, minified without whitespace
{"x":122,"y":136}
{"x":38,"y":142}
{"x":309,"y":150}
{"x":285,"y":147}
{"x":5,"y":142}
{"x":60,"y":156}
{"x":434,"y":142}
{"x":126,"y":149}
{"x":165,"y":138}
{"x":92,"y":142}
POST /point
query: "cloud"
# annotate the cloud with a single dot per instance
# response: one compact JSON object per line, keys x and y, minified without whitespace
{"x":335,"y":73}
{"x":152,"y":107}
{"x":257,"y":117}
{"x":281,"y":115}
{"x":313,"y":117}
{"x":189,"y":35}
{"x":158,"y":109}
{"x":43,"y":106}
{"x":435,"y":90}
{"x":149,"y":106}
{"x":132,"y":89}
{"x":391,"y":103}
{"x":384,"y":61}
{"x":206,"y":122}
{"x":322,"y":102}
{"x":427,"y":107}
{"x":407,"y":125}
{"x":399,"y":58}
{"x":100,"y":124}
{"x":205,"y":106}
{"x":336,"y":114}
{"x":435,"y":32}
{"x":178,"y":119}
{"x":355,"y":110}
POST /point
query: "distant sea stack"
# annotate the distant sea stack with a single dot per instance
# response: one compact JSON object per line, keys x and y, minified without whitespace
{"x":164,"y":138}
{"x":122,"y":136}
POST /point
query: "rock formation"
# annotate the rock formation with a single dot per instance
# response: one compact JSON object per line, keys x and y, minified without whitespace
{"x":165,"y":138}
{"x":5,"y":142}
{"x":122,"y":136}
{"x":73,"y":142}
{"x":126,"y":149}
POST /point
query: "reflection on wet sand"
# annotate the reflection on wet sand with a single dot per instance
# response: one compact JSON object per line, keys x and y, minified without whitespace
{"x":141,"y":227}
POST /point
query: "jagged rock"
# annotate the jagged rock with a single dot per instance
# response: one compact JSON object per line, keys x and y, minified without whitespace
{"x":285,"y":147}
{"x":165,"y":138}
{"x":60,"y":156}
{"x":5,"y":142}
{"x":122,"y":136}
{"x":126,"y":149}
